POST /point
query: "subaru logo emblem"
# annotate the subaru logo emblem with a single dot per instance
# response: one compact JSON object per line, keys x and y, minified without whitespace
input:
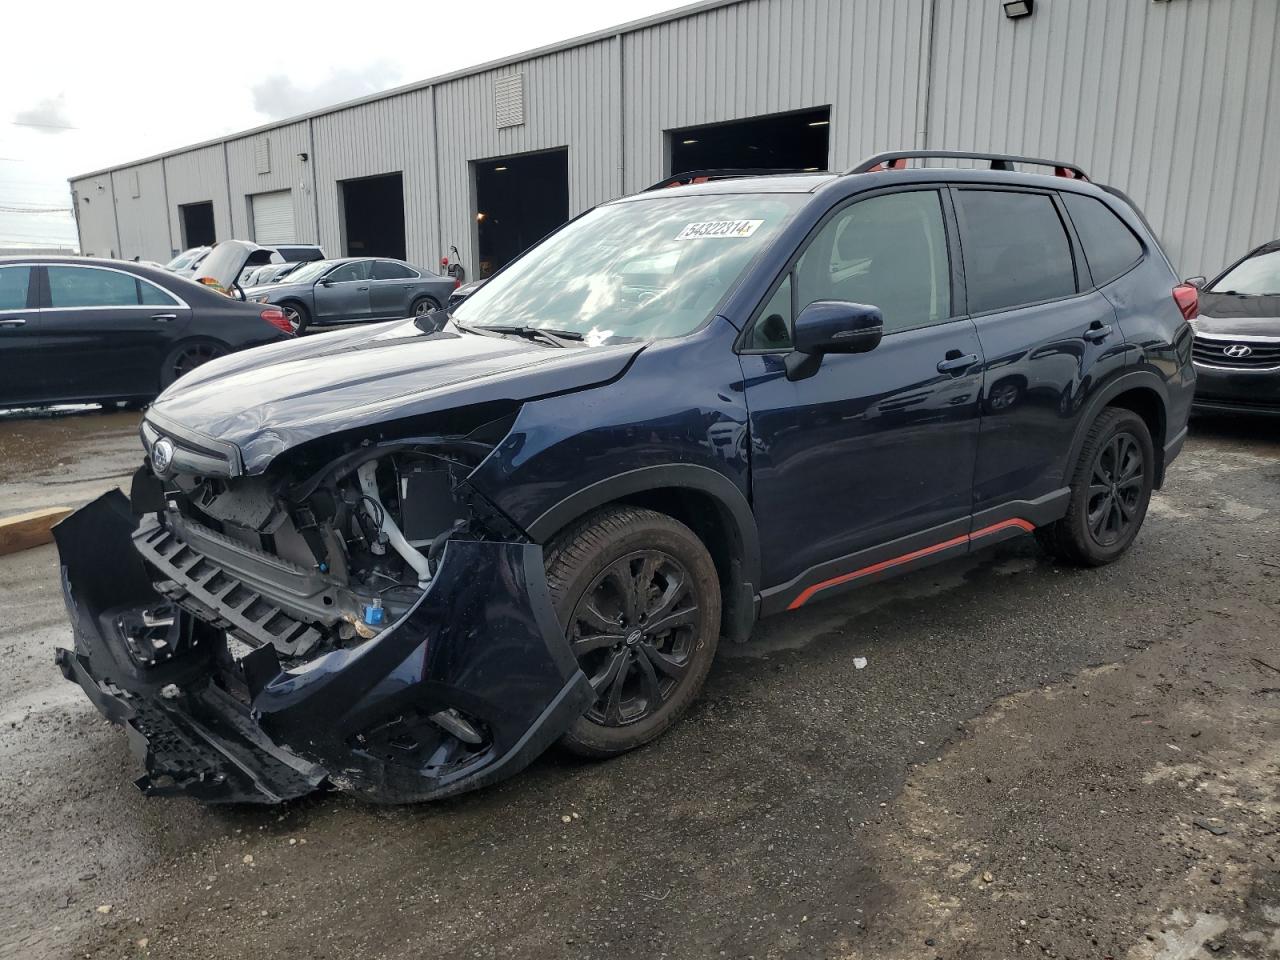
{"x":1238,"y":351}
{"x":162,"y":455}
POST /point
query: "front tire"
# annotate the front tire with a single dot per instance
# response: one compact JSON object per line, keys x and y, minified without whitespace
{"x":297,"y":316}
{"x":638,"y":596}
{"x":1110,"y":490}
{"x":424,"y":305}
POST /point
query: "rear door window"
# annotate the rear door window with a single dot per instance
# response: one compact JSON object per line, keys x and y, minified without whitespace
{"x":390,"y":270}
{"x":1109,"y":245}
{"x":1015,"y":247}
{"x":91,"y":287}
{"x":152,"y":296}
{"x":14,"y":282}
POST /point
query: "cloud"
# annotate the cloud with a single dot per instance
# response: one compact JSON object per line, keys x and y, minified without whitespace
{"x":278,"y":96}
{"x":47,"y":116}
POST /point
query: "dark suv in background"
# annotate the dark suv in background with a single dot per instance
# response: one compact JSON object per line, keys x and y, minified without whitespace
{"x":402,"y":560}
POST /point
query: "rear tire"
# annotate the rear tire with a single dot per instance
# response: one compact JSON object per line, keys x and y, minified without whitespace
{"x":186,"y":356}
{"x":639,"y":599}
{"x":1110,"y":490}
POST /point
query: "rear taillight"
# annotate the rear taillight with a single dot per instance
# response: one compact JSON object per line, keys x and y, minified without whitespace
{"x":1187,"y":298}
{"x":457,"y":282}
{"x":275,"y":316}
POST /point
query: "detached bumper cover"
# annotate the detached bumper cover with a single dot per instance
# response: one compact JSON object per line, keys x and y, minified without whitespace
{"x":483,"y":640}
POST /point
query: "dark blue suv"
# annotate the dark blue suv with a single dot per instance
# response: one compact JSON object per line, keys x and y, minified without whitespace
{"x":404,"y":560}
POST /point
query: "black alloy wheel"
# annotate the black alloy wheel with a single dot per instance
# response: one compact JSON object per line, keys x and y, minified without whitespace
{"x":187,"y":356}
{"x":638,"y":597}
{"x":1115,"y":489}
{"x":633,"y":633}
{"x":1110,"y":488}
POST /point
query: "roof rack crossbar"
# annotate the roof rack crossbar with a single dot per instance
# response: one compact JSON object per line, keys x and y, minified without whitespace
{"x":897,"y":160}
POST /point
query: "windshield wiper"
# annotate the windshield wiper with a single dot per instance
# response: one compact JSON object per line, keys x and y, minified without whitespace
{"x":557,"y":338}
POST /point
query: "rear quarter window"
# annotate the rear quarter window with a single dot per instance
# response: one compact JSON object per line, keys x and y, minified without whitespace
{"x":1015,"y":249}
{"x":1110,"y":248}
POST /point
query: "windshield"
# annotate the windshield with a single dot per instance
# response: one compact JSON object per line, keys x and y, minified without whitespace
{"x":310,"y":271}
{"x":1259,"y":276}
{"x":184,"y":259}
{"x":633,"y":271}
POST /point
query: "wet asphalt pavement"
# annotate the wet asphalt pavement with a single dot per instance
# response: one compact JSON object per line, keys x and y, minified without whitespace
{"x":1018,"y":772}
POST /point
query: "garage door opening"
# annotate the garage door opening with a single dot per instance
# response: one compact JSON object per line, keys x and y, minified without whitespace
{"x":519,"y":200}
{"x":373,"y":216}
{"x":196,"y":220}
{"x":272,"y":216}
{"x":783,"y":141}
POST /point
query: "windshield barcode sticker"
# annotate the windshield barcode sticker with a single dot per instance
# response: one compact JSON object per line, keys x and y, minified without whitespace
{"x":719,"y":229}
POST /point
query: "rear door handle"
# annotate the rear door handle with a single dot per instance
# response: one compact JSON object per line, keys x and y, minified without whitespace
{"x":1098,"y":331}
{"x":164,"y":317}
{"x":362,"y":288}
{"x":955,"y":363}
{"x":12,"y":321}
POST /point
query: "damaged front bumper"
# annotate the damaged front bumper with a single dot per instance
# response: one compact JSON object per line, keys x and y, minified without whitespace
{"x":466,"y":688}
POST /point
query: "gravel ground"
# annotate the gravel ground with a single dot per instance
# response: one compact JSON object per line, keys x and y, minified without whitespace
{"x":1036,"y":761}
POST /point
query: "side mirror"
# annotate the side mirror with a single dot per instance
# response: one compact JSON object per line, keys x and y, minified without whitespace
{"x":832,"y":326}
{"x":325,"y":282}
{"x":1197,"y":282}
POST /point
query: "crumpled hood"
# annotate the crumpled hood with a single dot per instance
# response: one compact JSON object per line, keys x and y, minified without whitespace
{"x":272,"y":398}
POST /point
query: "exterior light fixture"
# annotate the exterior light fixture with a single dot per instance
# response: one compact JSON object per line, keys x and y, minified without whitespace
{"x":479,"y":218}
{"x":303,"y":157}
{"x":1016,"y":9}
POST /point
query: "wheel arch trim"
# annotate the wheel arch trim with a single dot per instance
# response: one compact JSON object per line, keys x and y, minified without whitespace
{"x":1142,"y":380}
{"x":687,"y":476}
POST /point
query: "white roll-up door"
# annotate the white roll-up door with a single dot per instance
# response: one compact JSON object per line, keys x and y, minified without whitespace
{"x":273,"y":218}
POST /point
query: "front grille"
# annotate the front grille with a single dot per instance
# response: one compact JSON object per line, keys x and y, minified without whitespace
{"x":219,"y":596}
{"x":190,"y":454}
{"x":1261,"y":356}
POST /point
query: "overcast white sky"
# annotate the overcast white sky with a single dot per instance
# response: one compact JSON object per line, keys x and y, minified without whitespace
{"x":84,"y":85}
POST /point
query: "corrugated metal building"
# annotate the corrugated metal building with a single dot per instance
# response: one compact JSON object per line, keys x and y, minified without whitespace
{"x":1175,"y":101}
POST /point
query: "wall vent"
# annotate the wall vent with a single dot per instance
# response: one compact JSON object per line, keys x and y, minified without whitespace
{"x":262,"y":155}
{"x":508,"y":100}
{"x":135,"y":188}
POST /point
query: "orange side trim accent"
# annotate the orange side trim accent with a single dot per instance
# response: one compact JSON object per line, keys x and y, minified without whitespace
{"x":807,"y":594}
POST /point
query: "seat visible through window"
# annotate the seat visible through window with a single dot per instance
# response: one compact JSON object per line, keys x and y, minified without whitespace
{"x":889,"y":252}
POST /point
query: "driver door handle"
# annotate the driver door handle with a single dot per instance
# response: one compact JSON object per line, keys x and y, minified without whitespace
{"x":12,"y":321}
{"x":362,"y":288}
{"x":955,"y":363}
{"x":164,"y":317}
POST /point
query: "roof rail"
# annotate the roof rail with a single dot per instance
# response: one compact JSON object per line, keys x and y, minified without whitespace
{"x":722,"y":173}
{"x":897,"y":160}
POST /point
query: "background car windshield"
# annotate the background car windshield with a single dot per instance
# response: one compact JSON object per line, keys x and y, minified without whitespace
{"x":1258,"y":277}
{"x":310,"y":271}
{"x":634,"y":271}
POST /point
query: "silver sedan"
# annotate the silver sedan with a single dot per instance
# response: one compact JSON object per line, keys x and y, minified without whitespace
{"x":329,"y":293}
